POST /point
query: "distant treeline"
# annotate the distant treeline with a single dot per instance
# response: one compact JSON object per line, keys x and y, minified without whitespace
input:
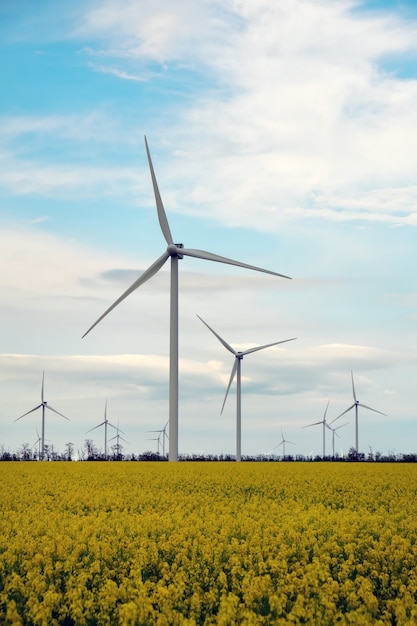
{"x":90,"y":453}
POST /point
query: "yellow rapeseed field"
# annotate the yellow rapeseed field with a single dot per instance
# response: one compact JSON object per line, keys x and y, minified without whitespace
{"x":208,"y":543}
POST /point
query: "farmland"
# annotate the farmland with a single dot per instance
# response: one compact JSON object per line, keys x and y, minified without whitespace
{"x":208,"y":543}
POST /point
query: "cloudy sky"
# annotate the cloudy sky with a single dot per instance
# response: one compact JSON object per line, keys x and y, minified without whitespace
{"x":283,"y":135}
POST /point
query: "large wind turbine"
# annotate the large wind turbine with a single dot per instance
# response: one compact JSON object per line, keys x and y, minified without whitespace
{"x":175,"y":251}
{"x":236,"y":371}
{"x":105,"y":424}
{"x":44,"y":406}
{"x":324,"y":423}
{"x":355,"y":406}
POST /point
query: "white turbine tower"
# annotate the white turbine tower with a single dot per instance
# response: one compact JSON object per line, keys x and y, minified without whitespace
{"x":44,"y":405}
{"x":236,"y":371}
{"x":174,"y":251}
{"x":105,"y":424}
{"x":324,"y":423}
{"x":355,"y":406}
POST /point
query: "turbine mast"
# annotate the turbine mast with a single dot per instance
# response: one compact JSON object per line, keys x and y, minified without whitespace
{"x":43,"y":431}
{"x":356,"y":428}
{"x":239,"y":358}
{"x":173,"y":363}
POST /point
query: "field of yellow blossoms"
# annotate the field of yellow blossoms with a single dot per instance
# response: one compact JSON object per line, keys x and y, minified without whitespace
{"x":208,"y":543}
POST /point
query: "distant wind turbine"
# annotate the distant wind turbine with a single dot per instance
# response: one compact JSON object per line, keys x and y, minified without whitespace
{"x":282,"y":443}
{"x":355,"y":406}
{"x":162,"y":433}
{"x":236,"y":371}
{"x":105,"y":424}
{"x":334,"y":433}
{"x":175,"y":251}
{"x":118,"y":445}
{"x":44,"y":405}
{"x":324,"y":423}
{"x":158,"y":439}
{"x":38,"y":443}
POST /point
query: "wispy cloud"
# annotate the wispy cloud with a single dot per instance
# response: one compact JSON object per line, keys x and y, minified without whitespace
{"x":116,"y":71}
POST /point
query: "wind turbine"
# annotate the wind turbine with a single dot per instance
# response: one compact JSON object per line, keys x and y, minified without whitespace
{"x":175,"y":251}
{"x":355,"y":406}
{"x":105,"y":424}
{"x":44,"y":406}
{"x":282,"y":443}
{"x":162,"y":433}
{"x":236,"y":370}
{"x":334,"y":433}
{"x":158,"y":439}
{"x":118,"y":445}
{"x":38,"y":443}
{"x":323,"y":421}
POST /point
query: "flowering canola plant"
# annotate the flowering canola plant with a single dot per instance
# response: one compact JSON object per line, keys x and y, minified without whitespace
{"x":208,"y":543}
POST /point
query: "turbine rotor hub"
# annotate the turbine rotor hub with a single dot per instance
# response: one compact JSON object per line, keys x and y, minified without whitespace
{"x":174,"y":250}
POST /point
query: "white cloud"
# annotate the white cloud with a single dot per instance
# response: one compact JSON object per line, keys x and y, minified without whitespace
{"x":116,"y":71}
{"x":294,"y":115}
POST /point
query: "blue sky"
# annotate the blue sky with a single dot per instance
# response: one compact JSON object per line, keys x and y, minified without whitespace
{"x":282,"y":135}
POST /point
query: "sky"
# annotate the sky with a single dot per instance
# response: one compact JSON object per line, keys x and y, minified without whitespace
{"x":282,"y":135}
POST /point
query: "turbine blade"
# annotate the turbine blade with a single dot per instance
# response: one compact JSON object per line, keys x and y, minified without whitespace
{"x":48,"y":406}
{"x":314,"y":424}
{"x":232,"y":375}
{"x":336,"y":418}
{"x":353,"y":387}
{"x":42,"y":388}
{"x":31,"y":411}
{"x":118,"y":437}
{"x":147,"y":274}
{"x":325,"y":412}
{"x":89,"y":431}
{"x":112,"y":425}
{"x":268,"y":345}
{"x":209,"y":256}
{"x":163,"y":221}
{"x":222,"y":341}
{"x":364,"y":406}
